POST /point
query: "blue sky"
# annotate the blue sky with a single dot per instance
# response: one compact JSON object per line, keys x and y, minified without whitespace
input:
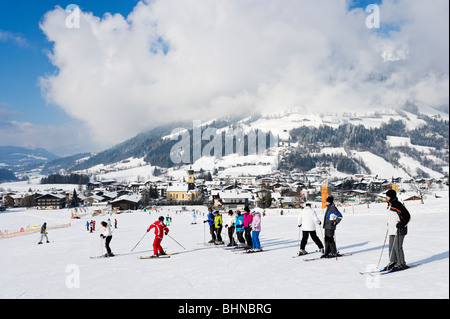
{"x":206,"y":36}
{"x":23,"y":56}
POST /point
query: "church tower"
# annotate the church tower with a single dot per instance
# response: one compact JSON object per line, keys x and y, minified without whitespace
{"x":191,"y":184}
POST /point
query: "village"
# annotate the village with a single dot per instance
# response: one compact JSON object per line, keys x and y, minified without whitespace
{"x":281,"y":190}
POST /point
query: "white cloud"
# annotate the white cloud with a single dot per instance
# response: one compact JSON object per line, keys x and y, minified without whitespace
{"x":16,"y":38}
{"x":237,"y":56}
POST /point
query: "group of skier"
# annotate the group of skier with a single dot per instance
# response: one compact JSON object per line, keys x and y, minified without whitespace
{"x":247,"y":227}
{"x":398,"y":219}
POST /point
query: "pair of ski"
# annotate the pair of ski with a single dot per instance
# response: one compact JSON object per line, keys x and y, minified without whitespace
{"x":157,"y":257}
{"x":103,"y":256}
{"x":382,"y":272}
{"x":321,"y":257}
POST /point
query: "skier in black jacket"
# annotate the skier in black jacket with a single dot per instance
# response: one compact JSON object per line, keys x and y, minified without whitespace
{"x":331,"y":219}
{"x":398,"y":219}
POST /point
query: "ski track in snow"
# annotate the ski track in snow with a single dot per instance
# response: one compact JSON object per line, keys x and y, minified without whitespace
{"x":28,"y":270}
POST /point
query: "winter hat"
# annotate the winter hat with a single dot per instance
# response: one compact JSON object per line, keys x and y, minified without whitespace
{"x":246,"y":209}
{"x":330,"y":199}
{"x":391,"y":193}
{"x":161,"y":218}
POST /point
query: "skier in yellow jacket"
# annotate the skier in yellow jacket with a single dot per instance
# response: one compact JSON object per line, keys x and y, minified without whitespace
{"x":218,"y":222}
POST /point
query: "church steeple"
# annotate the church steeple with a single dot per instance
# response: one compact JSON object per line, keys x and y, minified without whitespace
{"x":191,"y":184}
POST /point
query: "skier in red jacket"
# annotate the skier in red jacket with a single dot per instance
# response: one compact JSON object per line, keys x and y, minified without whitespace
{"x":160,"y":230}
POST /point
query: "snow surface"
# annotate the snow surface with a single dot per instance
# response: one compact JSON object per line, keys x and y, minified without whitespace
{"x":63,"y":269}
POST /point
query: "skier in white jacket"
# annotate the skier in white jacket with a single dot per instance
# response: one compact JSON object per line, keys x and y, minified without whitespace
{"x":307,"y":220}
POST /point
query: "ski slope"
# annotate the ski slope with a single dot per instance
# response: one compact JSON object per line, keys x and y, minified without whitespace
{"x":63,"y":269}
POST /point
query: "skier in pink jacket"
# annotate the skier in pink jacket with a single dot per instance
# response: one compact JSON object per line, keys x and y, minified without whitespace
{"x":248,"y":218}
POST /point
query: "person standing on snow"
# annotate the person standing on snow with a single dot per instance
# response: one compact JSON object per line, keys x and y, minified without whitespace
{"x":210,"y":222}
{"x":307,"y":220}
{"x":107,"y":237}
{"x":398,"y":219}
{"x":230,"y":226}
{"x":331,"y":219}
{"x":218,"y":222}
{"x":43,"y":233}
{"x":160,"y":230}
{"x":239,"y":224}
{"x":256,"y":230}
{"x":248,"y":218}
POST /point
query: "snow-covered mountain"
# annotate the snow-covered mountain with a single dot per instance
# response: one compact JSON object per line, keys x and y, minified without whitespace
{"x":393,"y":143}
{"x":386,"y":143}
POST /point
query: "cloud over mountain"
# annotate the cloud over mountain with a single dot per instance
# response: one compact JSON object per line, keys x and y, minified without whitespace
{"x":196,"y":59}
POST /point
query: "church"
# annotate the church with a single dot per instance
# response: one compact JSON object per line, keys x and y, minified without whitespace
{"x":184,"y":191}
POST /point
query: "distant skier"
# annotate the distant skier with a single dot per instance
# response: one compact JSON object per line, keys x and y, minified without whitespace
{"x":160,"y":230}
{"x":307,"y":220}
{"x":398,"y":219}
{"x":331,"y":219}
{"x":87,"y":225}
{"x":107,"y":237}
{"x":43,"y":233}
{"x":194,"y":218}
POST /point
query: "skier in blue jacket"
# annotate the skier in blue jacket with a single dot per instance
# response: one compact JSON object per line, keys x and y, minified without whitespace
{"x":210,"y":221}
{"x":239,"y":224}
{"x":331,"y":219}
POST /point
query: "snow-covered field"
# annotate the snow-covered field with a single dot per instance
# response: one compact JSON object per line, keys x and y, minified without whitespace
{"x":63,"y":269}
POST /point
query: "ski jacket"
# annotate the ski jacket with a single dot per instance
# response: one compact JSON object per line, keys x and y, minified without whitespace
{"x":160,"y":229}
{"x":44,"y":228}
{"x":230,"y":221}
{"x":210,"y":218}
{"x":398,"y":218}
{"x":247,"y":220}
{"x":256,"y":222}
{"x":308,"y":219}
{"x":332,"y":217}
{"x":106,"y":232}
{"x":239,"y":224}
{"x":218,"y":221}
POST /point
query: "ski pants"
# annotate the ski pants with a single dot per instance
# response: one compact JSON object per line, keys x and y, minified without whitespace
{"x":107,"y":241}
{"x":255,"y":240}
{"x":212,"y":231}
{"x":157,"y":249}
{"x":230,"y":235}
{"x":248,"y":236}
{"x":330,"y":244}
{"x":219,"y":233}
{"x":240,"y":236}
{"x":314,"y":238}
{"x":396,"y":249}
{"x":42,"y":237}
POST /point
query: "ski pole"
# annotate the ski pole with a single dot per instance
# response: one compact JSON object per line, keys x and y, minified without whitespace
{"x":382,"y":250}
{"x":175,"y":241}
{"x":139,"y":241}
